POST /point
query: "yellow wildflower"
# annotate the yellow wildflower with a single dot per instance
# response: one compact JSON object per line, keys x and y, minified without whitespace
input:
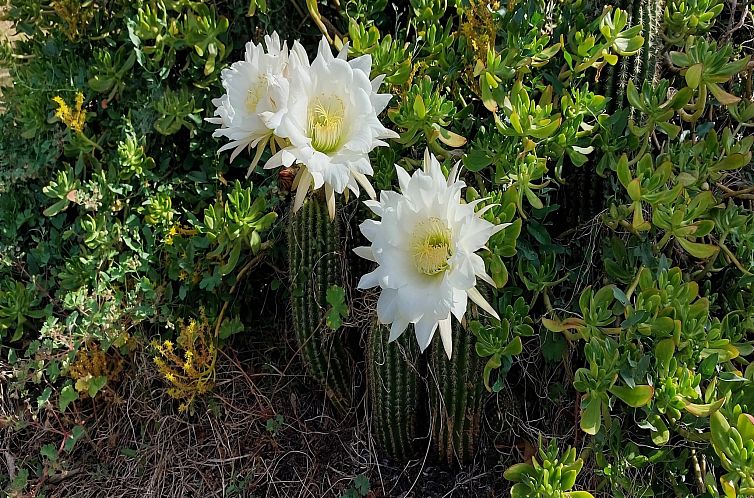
{"x":189,"y":364}
{"x":73,"y":118}
{"x":91,"y":363}
{"x":480,"y":28}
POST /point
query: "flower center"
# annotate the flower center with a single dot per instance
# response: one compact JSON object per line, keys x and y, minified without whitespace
{"x":431,"y":246}
{"x":326,"y":123}
{"x":253,"y":95}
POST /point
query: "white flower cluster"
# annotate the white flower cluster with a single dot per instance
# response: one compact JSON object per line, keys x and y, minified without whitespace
{"x":323,"y":116}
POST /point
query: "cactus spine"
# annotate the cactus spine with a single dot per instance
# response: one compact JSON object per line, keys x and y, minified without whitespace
{"x":316,"y":263}
{"x":393,"y":380}
{"x":645,"y":64}
{"x":456,"y":396}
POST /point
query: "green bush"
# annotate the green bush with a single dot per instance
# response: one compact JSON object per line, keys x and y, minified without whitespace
{"x":627,"y":257}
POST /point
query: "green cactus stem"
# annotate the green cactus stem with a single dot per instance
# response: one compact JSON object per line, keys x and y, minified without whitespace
{"x":394,"y":391}
{"x":316,"y":260}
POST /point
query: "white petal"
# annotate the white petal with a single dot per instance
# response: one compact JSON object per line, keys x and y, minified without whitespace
{"x":364,"y":252}
{"x":461,"y":274}
{"x":460,"y":301}
{"x":260,"y":149}
{"x":425,"y":329}
{"x":501,"y":226}
{"x":370,"y":229}
{"x":343,"y":54}
{"x":387,"y":307}
{"x":446,"y":336}
{"x":403,"y":179}
{"x":427,"y":160}
{"x":282,"y":158}
{"x":377,"y":82}
{"x":364,"y":182}
{"x":324,"y":50}
{"x":481,"y":302}
{"x":369,"y":280}
{"x":454,"y":173}
{"x":330,"y":197}
{"x":397,"y":328}
{"x":486,"y":278}
{"x":302,"y":190}
{"x":374,"y":206}
{"x":380,"y":102}
{"x":362,"y":63}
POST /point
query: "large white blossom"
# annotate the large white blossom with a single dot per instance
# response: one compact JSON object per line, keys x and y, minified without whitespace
{"x":256,"y":98}
{"x":425,"y":245}
{"x":331,"y":124}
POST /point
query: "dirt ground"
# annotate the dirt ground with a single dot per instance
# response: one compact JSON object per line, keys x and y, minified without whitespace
{"x":137,"y":444}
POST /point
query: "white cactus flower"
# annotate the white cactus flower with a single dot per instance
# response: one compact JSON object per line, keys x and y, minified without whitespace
{"x":425,"y":245}
{"x":331,"y":125}
{"x":256,"y":98}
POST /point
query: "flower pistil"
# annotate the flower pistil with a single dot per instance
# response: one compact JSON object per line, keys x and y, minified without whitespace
{"x":326,"y":124}
{"x":431,"y":246}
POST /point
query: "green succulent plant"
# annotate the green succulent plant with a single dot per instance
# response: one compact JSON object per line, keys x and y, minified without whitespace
{"x":552,"y":477}
{"x":525,"y":118}
{"x":425,"y":114}
{"x":19,"y":306}
{"x":589,"y":50}
{"x":734,"y":444}
{"x":388,"y":57}
{"x":705,"y":67}
{"x":235,"y":224}
{"x":649,"y":185}
{"x":689,"y":17}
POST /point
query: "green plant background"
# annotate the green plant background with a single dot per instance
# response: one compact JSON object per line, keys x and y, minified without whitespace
{"x":615,"y":140}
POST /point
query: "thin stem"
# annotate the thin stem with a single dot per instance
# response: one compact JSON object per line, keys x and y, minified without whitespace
{"x":91,"y":142}
{"x":643,"y":149}
{"x":437,"y":149}
{"x":734,"y":260}
{"x":241,"y":274}
{"x":634,"y":284}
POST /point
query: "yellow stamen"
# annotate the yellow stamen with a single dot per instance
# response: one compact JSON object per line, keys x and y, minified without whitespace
{"x":431,"y":246}
{"x":326,"y":124}
{"x":253,"y":95}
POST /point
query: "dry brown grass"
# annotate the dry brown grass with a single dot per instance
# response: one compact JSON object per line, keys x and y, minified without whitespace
{"x":138,"y":445}
{"x":6,"y":33}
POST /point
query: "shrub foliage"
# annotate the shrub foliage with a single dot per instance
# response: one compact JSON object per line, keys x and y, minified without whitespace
{"x":614,"y":139}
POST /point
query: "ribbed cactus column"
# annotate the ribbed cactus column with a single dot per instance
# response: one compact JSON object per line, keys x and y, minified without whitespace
{"x":456,"y":396}
{"x":316,"y":263}
{"x":642,"y":66}
{"x":394,"y":391}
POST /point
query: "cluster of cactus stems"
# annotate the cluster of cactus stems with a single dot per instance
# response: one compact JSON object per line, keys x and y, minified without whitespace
{"x":456,"y":396}
{"x":404,"y":385}
{"x":644,"y":65}
{"x":397,"y":389}
{"x":316,"y":257}
{"x":399,"y":392}
{"x":394,"y":388}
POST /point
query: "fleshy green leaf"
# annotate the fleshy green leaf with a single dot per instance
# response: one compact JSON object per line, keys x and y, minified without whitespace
{"x":636,"y":396}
